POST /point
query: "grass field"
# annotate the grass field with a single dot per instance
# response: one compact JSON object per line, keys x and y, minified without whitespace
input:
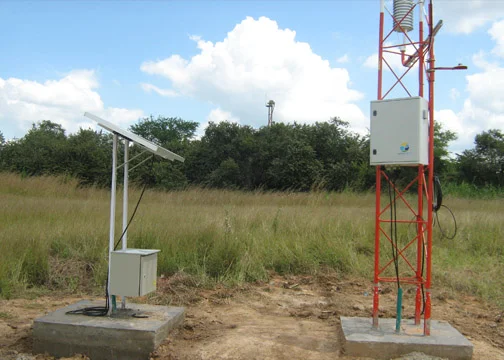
{"x":54,"y":235}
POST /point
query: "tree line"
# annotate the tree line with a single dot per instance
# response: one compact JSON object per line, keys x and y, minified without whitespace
{"x":297,"y":157}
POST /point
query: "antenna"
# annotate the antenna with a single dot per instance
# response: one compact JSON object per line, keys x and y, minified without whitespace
{"x":271,"y":106}
{"x":120,"y":262}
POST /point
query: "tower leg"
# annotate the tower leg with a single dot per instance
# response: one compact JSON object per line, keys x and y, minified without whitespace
{"x":420,"y":247}
{"x":376,"y":289}
{"x":376,"y":303}
{"x":427,"y":318}
{"x":418,"y":304}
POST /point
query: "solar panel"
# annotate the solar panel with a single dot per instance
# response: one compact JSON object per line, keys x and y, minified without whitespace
{"x":153,"y":148}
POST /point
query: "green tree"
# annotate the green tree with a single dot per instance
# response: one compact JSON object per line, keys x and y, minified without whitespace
{"x":2,"y":153}
{"x":220,"y":143}
{"x":443,"y":164}
{"x":345,"y":155}
{"x":165,"y":174}
{"x":90,"y":156}
{"x":484,"y":165}
{"x":285,"y":159}
{"x":328,"y":139}
{"x":43,"y":150}
{"x":227,"y":175}
{"x":174,"y":134}
{"x":169,"y":132}
{"x":295,"y":168}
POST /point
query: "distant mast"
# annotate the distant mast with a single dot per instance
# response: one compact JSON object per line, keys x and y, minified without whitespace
{"x":271,"y":106}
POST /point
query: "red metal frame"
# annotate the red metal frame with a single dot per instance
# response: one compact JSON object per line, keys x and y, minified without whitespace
{"x":423,"y":48}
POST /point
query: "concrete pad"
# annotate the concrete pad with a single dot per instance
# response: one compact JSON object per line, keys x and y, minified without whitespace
{"x":105,"y":338}
{"x":383,"y":343}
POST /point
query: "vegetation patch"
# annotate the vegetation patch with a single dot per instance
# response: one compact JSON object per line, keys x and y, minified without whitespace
{"x":60,"y":242}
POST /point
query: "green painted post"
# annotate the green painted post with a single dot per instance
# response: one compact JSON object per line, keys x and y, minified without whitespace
{"x":399,"y":311}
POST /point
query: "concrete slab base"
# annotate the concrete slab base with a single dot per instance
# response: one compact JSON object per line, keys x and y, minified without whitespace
{"x":105,"y":338}
{"x":361,"y":339}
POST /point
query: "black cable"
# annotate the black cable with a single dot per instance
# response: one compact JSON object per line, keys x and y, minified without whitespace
{"x":438,"y":194}
{"x":136,"y":206}
{"x":132,"y":216}
{"x":438,"y":204}
{"x":422,"y":285}
{"x":443,"y":234}
{"x":436,"y":207}
{"x":94,"y":310}
{"x":423,"y":261}
{"x":393,"y":228}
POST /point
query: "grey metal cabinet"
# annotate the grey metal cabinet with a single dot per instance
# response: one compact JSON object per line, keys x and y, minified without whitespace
{"x":133,"y":272}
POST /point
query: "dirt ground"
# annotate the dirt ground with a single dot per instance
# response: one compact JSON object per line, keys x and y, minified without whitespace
{"x":294,"y":318}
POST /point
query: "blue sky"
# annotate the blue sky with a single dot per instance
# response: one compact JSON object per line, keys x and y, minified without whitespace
{"x":220,"y":60}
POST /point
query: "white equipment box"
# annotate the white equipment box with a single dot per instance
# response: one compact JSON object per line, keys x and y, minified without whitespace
{"x":400,"y":132}
{"x":133,"y":272}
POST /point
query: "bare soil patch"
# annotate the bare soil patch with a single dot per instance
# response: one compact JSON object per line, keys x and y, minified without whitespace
{"x":290,"y":317}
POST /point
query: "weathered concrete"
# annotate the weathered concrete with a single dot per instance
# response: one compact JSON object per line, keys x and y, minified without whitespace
{"x":105,"y":338}
{"x":383,"y":343}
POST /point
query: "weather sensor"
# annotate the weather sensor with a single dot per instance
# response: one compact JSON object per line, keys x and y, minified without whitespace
{"x":131,"y":272}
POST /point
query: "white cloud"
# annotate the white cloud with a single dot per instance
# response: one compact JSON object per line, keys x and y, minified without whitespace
{"x":461,"y":125}
{"x":64,"y":101}
{"x":480,"y":60}
{"x":449,"y":120}
{"x":74,"y":89}
{"x":485,"y":89}
{"x":454,"y":94}
{"x":468,"y":122}
{"x":218,"y":115}
{"x":255,"y":58}
{"x":121,"y":116}
{"x":162,"y":92}
{"x":343,"y":59}
{"x":497,"y":33}
{"x":483,"y":109}
{"x":469,"y":15}
{"x":372,"y":61}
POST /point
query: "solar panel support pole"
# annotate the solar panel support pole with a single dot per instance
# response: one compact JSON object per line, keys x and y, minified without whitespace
{"x":155,"y":149}
{"x":113,"y":190}
{"x":125,"y":207}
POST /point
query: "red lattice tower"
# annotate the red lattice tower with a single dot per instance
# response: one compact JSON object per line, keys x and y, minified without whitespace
{"x":415,"y":55}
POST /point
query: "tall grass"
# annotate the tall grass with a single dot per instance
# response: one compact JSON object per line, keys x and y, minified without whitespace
{"x":54,"y":234}
{"x":471,"y":191}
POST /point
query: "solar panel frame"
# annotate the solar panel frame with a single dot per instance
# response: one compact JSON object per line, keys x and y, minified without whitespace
{"x":150,"y":146}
